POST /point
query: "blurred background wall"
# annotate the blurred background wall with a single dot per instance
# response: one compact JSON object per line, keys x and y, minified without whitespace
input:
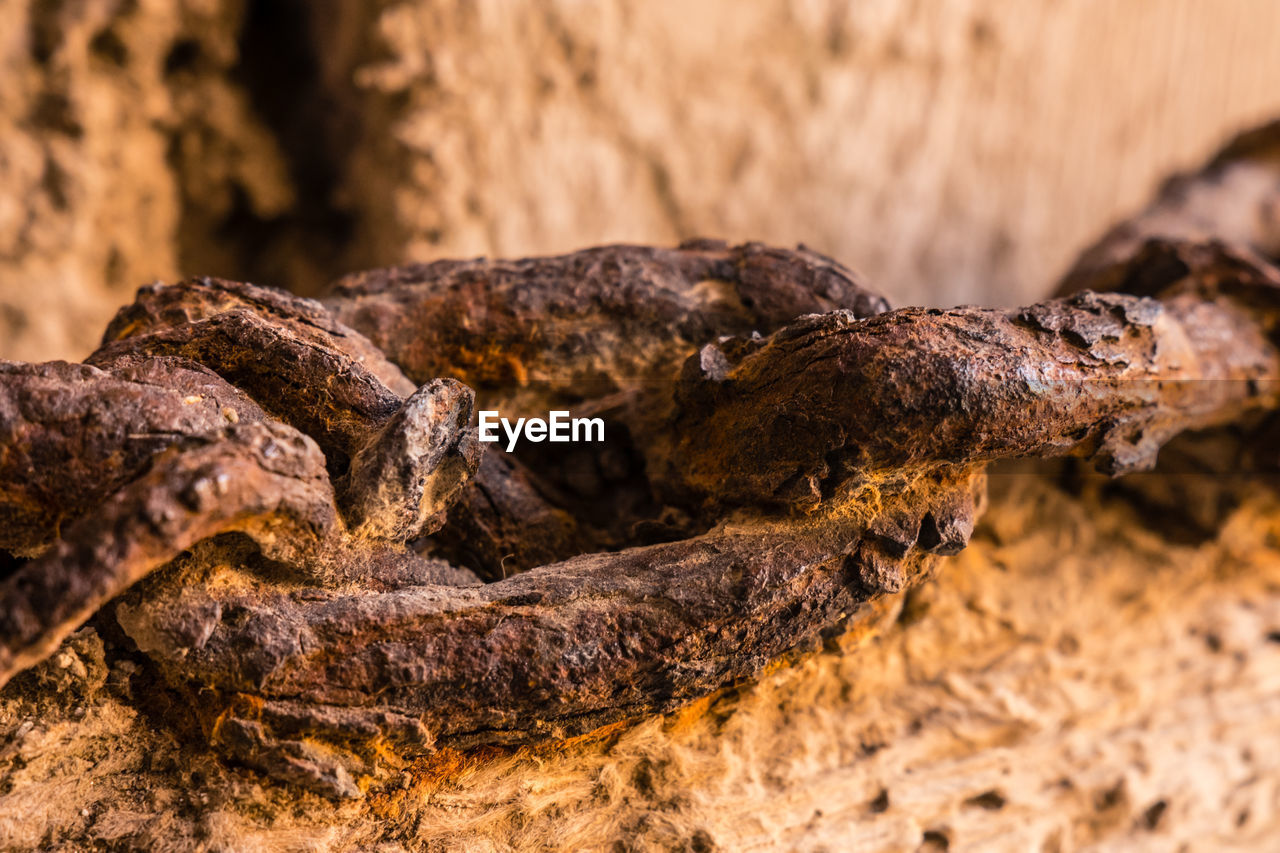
{"x":955,"y":151}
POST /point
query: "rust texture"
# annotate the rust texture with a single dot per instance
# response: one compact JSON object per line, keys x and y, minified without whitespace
{"x":1233,"y":199}
{"x":283,"y":504}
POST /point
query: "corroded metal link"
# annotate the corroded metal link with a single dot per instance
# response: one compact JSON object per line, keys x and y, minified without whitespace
{"x":397,"y":462}
{"x":833,"y":400}
{"x":591,"y":322}
{"x":72,"y":434}
{"x":262,"y":479}
{"x":800,"y":455}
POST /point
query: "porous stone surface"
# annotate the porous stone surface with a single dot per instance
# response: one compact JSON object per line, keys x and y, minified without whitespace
{"x":115,"y":118}
{"x":956,"y":155}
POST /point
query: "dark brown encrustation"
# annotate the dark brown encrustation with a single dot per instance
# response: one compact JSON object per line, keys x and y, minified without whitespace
{"x":285,"y":506}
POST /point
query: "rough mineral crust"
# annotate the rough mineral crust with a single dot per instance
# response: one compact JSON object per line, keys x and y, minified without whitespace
{"x":283,"y":142}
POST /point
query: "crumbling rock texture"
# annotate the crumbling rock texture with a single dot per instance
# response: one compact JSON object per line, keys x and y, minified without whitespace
{"x":115,"y":117}
{"x":284,"y":143}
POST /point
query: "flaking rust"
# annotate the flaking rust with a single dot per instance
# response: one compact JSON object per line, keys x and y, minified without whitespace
{"x":284,"y":505}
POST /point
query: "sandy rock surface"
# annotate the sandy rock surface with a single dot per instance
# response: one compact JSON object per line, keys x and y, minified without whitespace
{"x":954,"y":155}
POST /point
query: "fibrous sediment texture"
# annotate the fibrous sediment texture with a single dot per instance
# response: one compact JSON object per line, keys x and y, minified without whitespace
{"x":788,"y":453}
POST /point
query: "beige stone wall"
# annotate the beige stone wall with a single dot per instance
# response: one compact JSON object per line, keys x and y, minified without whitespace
{"x":958,"y":151}
{"x":954,"y":151}
{"x":99,"y":129}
